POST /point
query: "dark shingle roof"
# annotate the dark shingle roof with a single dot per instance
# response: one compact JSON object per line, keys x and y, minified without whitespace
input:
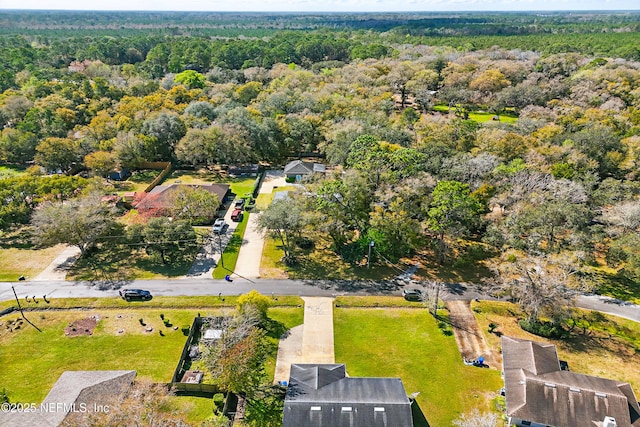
{"x":322,"y":395}
{"x":538,"y":391}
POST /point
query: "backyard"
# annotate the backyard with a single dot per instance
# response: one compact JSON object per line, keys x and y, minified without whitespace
{"x":119,"y":341}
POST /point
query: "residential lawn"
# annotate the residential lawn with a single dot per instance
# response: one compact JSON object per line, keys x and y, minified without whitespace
{"x":195,"y":302}
{"x":318,"y":263}
{"x":11,"y":171}
{"x":265,"y":199}
{"x":231,"y":251}
{"x":122,"y":262}
{"x":19,"y":257}
{"x":480,"y":116}
{"x":608,"y":346}
{"x":407,"y":343}
{"x":16,"y":262}
{"x":138,"y":181}
{"x":240,"y":185}
{"x":32,"y":361}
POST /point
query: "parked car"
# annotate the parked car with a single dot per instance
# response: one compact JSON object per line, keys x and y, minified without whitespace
{"x":135,"y":294}
{"x":219,"y":225}
{"x":412,"y":294}
{"x":236,"y":215}
{"x":239,"y":204}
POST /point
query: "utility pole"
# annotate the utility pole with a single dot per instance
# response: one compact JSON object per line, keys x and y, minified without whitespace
{"x":435,"y":302}
{"x":371,"y":244}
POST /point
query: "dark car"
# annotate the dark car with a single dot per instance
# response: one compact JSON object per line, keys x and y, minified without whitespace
{"x":135,"y":294}
{"x":412,"y":294}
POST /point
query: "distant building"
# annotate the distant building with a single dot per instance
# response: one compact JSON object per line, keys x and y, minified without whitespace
{"x":539,"y":393}
{"x":298,"y":169}
{"x":120,"y":175}
{"x":75,"y":394}
{"x":321,"y":395}
{"x":243,"y":170}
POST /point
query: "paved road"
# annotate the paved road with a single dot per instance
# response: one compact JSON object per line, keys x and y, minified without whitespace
{"x":204,"y":286}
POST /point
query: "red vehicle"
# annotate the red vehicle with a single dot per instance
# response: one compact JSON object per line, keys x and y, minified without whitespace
{"x":236,"y":215}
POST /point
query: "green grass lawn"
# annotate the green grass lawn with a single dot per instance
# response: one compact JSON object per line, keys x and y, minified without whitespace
{"x":240,"y":186}
{"x":231,"y":251}
{"x":480,"y":116}
{"x":32,"y":361}
{"x":407,"y":343}
{"x":11,"y":171}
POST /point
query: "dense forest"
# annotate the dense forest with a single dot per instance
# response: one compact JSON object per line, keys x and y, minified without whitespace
{"x":475,"y":136}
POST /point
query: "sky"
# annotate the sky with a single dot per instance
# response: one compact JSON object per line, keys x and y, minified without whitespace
{"x":325,"y":5}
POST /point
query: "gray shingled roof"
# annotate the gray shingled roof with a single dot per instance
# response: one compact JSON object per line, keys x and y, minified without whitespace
{"x":322,"y":395}
{"x":73,"y":387}
{"x":538,"y":391}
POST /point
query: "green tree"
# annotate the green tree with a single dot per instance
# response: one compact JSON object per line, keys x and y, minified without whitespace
{"x":284,"y":220}
{"x":453,"y":213}
{"x":194,"y":205}
{"x":190,"y":78}
{"x":58,"y":154}
{"x":17,"y":147}
{"x":256,"y":300}
{"x":168,"y":239}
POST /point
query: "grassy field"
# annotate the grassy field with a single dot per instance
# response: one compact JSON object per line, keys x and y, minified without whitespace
{"x":407,"y":343}
{"x":240,"y":186}
{"x":609,"y":347}
{"x":10,"y":171}
{"x":318,"y":263}
{"x":480,"y":116}
{"x":18,"y":256}
{"x":32,"y":361}
{"x":231,"y":251}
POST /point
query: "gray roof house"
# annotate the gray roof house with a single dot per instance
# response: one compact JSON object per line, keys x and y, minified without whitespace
{"x":322,"y":395}
{"x":299,"y":168}
{"x":539,"y":393}
{"x":73,"y":395}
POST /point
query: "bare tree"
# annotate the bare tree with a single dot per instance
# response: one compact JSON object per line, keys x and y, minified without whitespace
{"x":542,"y":287}
{"x":77,"y":222}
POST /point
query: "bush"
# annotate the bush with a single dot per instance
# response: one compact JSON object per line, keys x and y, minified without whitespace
{"x":543,"y":329}
{"x":255,"y":299}
{"x":290,"y":179}
{"x":218,"y":402}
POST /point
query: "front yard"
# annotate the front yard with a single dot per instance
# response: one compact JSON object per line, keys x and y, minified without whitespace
{"x":406,"y":343}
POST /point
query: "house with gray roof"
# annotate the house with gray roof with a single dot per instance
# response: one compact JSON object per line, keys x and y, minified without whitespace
{"x":539,"y":393}
{"x":322,"y":395}
{"x":298,"y":169}
{"x":75,"y":394}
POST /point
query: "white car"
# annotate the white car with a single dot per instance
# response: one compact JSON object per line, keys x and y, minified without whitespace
{"x":219,"y":225}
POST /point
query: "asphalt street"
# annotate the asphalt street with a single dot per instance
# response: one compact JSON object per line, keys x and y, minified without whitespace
{"x":205,"y":286}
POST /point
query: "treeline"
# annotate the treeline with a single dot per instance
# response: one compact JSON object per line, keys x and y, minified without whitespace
{"x":426,"y":168}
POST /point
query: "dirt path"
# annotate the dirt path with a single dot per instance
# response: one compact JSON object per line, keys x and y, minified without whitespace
{"x":470,"y":340}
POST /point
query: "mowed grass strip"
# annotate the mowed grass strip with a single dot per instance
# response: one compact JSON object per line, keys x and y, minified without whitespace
{"x":231,"y":251}
{"x":407,"y":343}
{"x":199,"y":301}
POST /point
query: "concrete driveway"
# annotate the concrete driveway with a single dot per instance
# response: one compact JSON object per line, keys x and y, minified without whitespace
{"x":250,"y":255}
{"x":311,"y":342}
